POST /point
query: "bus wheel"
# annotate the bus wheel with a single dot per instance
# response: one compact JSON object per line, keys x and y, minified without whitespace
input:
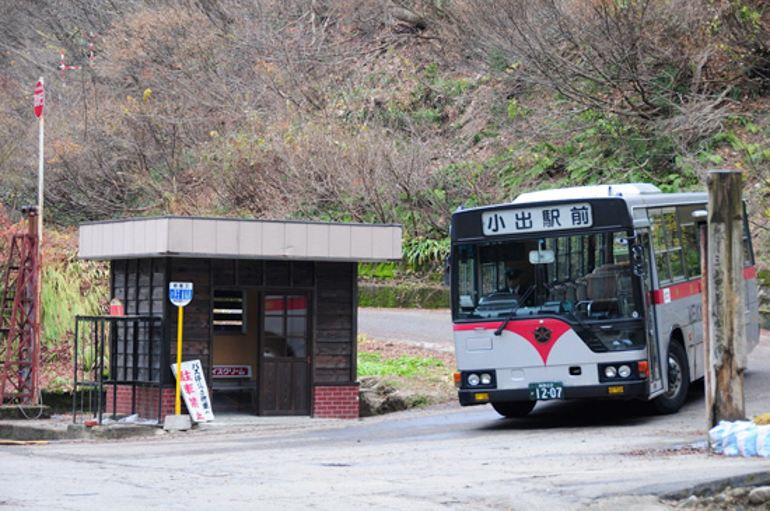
{"x":678,"y":381}
{"x":514,"y":409}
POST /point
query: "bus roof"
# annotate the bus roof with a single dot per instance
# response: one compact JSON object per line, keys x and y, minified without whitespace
{"x":636,"y":195}
{"x":584,"y":192}
{"x":623,"y":205}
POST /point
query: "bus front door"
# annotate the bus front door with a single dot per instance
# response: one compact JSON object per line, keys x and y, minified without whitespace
{"x":650,"y":321}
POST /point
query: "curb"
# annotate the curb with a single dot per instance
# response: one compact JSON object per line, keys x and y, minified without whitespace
{"x":61,"y":431}
{"x":716,"y":486}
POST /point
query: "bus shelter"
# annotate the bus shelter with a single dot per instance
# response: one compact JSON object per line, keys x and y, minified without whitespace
{"x":273,"y":316}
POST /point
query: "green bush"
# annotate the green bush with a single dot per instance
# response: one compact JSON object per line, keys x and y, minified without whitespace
{"x":403,"y":296}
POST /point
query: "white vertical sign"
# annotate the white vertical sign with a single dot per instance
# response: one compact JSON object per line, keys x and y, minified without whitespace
{"x":194,"y":390}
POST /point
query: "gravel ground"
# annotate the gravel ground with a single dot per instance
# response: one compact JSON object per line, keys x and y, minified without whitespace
{"x":436,"y":384}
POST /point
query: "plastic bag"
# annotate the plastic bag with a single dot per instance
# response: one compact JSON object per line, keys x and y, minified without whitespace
{"x":740,"y":438}
{"x":763,"y":441}
{"x":732,"y":438}
{"x":716,"y":437}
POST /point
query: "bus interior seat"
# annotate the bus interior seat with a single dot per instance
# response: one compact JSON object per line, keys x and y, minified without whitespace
{"x":581,"y":293}
{"x":604,"y":281}
{"x":566,"y":292}
{"x":600,"y":286}
{"x":571,"y":291}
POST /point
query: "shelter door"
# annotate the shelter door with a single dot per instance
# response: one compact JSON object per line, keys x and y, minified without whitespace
{"x":285,"y":355}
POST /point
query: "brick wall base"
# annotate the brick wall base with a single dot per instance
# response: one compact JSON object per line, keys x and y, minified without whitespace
{"x":146,"y":401}
{"x":336,"y":402}
{"x":331,"y":402}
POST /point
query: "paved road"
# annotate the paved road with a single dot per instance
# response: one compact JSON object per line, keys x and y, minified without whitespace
{"x":566,"y":456}
{"x":425,"y":328}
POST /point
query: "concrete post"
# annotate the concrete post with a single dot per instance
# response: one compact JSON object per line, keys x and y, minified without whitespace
{"x":725,"y":329}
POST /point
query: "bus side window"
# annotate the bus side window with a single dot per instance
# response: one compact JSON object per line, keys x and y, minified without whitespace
{"x":659,"y":246}
{"x":668,"y":246}
{"x":691,"y":250}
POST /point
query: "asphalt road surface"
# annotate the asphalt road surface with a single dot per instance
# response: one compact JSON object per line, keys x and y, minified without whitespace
{"x":425,"y":328}
{"x":566,"y":455}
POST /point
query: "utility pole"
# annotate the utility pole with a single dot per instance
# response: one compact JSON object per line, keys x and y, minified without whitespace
{"x":725,"y":328}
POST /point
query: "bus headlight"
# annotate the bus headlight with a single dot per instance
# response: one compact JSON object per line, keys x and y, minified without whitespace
{"x":623,"y":371}
{"x":480,"y":379}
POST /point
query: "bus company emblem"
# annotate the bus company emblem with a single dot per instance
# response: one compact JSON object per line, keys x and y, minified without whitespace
{"x":542,"y":335}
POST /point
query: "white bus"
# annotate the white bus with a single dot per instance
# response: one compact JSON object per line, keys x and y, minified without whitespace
{"x":584,"y":292}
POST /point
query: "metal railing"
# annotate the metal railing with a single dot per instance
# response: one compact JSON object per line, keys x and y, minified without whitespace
{"x":116,"y":350}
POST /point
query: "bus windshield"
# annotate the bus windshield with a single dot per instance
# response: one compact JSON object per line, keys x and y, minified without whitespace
{"x":583,"y":277}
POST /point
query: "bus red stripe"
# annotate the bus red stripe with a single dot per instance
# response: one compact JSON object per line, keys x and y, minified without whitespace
{"x":676,"y":292}
{"x":473,"y":326}
{"x":542,"y":334}
{"x":693,"y":287}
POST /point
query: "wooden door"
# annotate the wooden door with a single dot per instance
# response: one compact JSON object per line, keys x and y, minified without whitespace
{"x":285,"y":355}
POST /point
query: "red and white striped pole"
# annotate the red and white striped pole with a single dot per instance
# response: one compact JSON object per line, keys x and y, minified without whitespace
{"x":37,"y":341}
{"x":92,"y":36}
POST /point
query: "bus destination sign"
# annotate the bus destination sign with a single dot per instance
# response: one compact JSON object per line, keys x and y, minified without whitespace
{"x":537,"y":219}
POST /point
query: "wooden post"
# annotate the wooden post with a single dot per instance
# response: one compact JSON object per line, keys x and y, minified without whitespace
{"x":725,"y":327}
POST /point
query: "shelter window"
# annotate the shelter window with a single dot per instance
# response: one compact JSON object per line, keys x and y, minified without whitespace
{"x":229,"y":312}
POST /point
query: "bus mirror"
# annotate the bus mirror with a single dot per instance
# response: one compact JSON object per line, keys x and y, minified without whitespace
{"x":541,"y":257}
{"x":637,"y":255}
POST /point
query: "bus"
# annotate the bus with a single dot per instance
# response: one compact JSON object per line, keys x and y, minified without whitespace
{"x":590,"y":292}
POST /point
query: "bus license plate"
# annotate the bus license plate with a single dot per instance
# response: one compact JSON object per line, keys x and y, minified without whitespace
{"x":546,"y":391}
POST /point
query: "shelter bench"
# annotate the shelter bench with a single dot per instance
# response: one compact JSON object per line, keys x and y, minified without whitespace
{"x":230,"y":377}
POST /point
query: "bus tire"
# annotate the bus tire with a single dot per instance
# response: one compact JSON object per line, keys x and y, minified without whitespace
{"x":678,"y":381}
{"x":514,"y":409}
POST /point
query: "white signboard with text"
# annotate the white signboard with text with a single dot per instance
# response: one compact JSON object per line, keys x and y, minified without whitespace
{"x":537,"y":219}
{"x":194,"y":390}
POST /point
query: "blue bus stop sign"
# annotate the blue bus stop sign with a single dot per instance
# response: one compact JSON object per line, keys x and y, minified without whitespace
{"x":180,"y":293}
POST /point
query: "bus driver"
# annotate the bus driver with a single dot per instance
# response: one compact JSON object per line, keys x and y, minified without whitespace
{"x":513,"y":281}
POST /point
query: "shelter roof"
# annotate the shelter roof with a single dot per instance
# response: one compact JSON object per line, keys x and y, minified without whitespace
{"x":235,"y":238}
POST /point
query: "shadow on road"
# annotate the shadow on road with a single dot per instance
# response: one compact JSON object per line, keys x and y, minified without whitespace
{"x":590,"y":413}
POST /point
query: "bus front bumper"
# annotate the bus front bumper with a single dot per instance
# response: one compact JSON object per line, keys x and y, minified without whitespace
{"x":625,"y":390}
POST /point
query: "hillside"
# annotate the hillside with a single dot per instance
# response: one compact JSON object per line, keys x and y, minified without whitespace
{"x":387,"y":111}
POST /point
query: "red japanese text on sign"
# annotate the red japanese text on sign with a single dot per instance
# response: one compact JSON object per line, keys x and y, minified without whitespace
{"x":194,"y":390}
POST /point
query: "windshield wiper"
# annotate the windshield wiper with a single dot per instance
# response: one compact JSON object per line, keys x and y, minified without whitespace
{"x":574,"y":316}
{"x":513,"y":311}
{"x":593,"y":340}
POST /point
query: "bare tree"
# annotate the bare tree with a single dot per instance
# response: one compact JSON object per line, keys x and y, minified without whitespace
{"x":746,"y":28}
{"x":622,"y":57}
